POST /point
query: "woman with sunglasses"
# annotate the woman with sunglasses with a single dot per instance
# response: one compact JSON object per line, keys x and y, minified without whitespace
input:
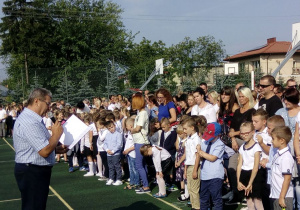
{"x":242,"y":114}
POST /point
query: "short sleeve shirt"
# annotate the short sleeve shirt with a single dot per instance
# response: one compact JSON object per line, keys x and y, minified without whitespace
{"x":208,"y":112}
{"x":191,"y":149}
{"x":213,"y":170}
{"x":248,"y":155}
{"x":282,"y":164}
{"x":164,"y":110}
{"x":142,"y":120}
{"x":30,"y":136}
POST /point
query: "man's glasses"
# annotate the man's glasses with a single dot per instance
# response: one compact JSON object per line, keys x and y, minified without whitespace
{"x":48,"y":103}
{"x":292,"y":86}
{"x":264,"y":86}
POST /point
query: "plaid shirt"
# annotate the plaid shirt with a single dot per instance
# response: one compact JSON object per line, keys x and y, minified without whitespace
{"x":30,"y":136}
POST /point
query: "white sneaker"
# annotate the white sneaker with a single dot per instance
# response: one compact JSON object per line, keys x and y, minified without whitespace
{"x":118,"y":182}
{"x":99,"y":174}
{"x":89,"y":174}
{"x":109,"y":182}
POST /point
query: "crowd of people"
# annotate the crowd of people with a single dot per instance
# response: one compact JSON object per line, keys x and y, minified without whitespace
{"x":241,"y":140}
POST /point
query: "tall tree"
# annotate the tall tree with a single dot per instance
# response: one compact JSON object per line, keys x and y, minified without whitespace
{"x":141,"y":62}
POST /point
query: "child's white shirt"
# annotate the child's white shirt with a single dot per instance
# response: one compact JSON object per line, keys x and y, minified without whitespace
{"x":248,"y":155}
{"x":159,"y":154}
{"x":85,"y":142}
{"x":191,"y":149}
{"x":100,"y":141}
{"x":129,"y":143}
{"x":94,"y":129}
{"x":282,"y":164}
{"x":267,"y":140}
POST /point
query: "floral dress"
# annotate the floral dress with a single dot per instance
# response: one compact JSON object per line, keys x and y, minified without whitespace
{"x":180,"y":169}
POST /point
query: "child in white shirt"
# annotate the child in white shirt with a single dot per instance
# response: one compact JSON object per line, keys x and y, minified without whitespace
{"x":163,"y":165}
{"x":130,"y":153}
{"x":281,"y":170}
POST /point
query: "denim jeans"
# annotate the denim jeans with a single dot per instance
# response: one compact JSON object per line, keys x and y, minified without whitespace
{"x":211,"y":188}
{"x":141,"y":165}
{"x":114,"y":167}
{"x":134,"y":174}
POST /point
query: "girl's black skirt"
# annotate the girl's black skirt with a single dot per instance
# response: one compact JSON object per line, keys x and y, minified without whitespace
{"x":257,"y":185}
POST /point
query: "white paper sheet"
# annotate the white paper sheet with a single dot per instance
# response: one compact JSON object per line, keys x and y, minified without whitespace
{"x":74,"y":130}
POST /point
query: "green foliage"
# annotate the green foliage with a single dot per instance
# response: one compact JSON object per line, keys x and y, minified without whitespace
{"x":141,"y":62}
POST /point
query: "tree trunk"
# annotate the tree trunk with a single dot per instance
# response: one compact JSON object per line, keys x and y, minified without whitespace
{"x":26,"y":69}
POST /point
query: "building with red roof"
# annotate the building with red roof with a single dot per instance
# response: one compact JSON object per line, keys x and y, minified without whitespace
{"x":268,"y":57}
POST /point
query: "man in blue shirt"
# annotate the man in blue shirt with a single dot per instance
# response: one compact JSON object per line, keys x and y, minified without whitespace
{"x":34,"y":148}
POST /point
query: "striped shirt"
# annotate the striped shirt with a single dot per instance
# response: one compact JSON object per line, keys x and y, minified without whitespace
{"x":30,"y":136}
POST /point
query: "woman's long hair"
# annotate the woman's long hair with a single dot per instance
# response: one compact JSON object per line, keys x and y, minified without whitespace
{"x":229,"y":91}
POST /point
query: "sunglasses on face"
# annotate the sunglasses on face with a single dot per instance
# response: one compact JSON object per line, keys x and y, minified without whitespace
{"x":292,"y":86}
{"x":264,"y":86}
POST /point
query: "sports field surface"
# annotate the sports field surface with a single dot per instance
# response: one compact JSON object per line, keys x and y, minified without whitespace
{"x":73,"y":191}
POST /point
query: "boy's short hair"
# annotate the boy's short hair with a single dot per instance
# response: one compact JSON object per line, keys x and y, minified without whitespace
{"x":109,"y":123}
{"x":179,"y":129}
{"x":262,"y":113}
{"x":110,"y":117}
{"x":282,"y":133}
{"x":247,"y":124}
{"x":129,"y":121}
{"x":276,"y":120}
{"x":190,"y":122}
{"x":165,"y":121}
{"x":144,"y":149}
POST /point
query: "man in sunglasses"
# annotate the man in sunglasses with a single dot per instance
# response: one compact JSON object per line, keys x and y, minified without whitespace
{"x":291,"y":83}
{"x":270,"y":102}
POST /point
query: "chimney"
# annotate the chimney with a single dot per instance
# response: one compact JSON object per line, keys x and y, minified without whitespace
{"x":271,"y":40}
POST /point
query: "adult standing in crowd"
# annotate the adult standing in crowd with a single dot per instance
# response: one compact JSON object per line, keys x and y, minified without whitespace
{"x":140,"y":138}
{"x":153,"y":106}
{"x":241,"y":115}
{"x":270,"y":102}
{"x":166,"y":107}
{"x":185,"y":109}
{"x":35,"y":154}
{"x":202,"y":107}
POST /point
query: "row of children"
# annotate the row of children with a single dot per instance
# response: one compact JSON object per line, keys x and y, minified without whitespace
{"x":198,"y":148}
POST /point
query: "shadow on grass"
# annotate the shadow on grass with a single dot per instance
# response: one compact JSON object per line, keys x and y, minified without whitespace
{"x":139,"y":205}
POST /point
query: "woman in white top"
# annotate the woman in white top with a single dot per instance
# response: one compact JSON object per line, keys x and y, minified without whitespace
{"x":140,"y":138}
{"x":202,"y":107}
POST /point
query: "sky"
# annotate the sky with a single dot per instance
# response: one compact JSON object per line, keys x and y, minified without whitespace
{"x":240,"y":24}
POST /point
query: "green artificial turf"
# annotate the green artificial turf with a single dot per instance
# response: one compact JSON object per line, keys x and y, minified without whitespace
{"x":79,"y":192}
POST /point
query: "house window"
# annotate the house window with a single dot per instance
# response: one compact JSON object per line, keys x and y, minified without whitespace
{"x":256,"y":65}
{"x":296,"y":69}
{"x":242,"y":66}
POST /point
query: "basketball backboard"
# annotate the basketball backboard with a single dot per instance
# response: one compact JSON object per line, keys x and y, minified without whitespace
{"x":295,"y":34}
{"x":231,"y":69}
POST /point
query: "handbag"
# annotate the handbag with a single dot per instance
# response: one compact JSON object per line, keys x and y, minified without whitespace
{"x":224,"y":134}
